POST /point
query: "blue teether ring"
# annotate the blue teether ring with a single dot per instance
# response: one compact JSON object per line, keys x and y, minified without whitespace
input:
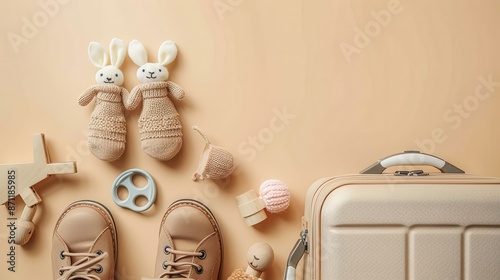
{"x":125,"y":180}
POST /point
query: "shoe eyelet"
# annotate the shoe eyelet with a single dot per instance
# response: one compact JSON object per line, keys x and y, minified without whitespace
{"x":60,"y":272}
{"x":164,"y":266}
{"x":100,"y":269}
{"x":62,"y":256}
{"x":165,"y":250}
{"x":99,"y":252}
{"x":199,"y":270}
{"x":203,"y":255}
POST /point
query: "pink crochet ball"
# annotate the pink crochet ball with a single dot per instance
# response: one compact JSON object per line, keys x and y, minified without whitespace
{"x":275,"y":194}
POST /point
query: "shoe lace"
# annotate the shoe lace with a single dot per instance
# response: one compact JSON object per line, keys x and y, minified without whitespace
{"x":178,"y":268}
{"x":81,"y":269}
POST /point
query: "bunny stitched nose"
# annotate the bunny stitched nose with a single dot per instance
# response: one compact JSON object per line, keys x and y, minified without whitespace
{"x":108,"y":81}
{"x":151,"y":76}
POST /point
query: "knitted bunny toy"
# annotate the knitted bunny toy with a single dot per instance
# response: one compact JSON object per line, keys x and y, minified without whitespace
{"x":159,"y":123}
{"x":107,"y":127}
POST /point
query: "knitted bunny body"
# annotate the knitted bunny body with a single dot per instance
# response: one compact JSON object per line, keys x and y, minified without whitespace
{"x":107,"y":127}
{"x":159,"y":123}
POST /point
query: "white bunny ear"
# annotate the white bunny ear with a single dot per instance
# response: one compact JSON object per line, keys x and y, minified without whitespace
{"x":167,"y":52}
{"x":97,"y":54}
{"x":117,"y":51}
{"x":137,"y":53}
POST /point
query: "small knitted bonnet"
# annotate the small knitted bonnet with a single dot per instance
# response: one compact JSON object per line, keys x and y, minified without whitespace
{"x":215,"y":162}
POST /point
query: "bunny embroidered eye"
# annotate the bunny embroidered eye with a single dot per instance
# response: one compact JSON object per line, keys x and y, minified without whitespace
{"x":143,"y":70}
{"x":116,"y":75}
{"x":102,"y":74}
{"x":159,"y":70}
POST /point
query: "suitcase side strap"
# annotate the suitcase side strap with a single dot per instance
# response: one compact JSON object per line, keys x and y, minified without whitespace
{"x":295,"y":255}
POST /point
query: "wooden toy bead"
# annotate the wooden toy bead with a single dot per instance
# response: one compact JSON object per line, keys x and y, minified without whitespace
{"x":25,"y":226}
{"x":251,"y":207}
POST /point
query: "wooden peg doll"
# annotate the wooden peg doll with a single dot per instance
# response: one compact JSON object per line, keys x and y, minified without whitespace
{"x":260,"y":256}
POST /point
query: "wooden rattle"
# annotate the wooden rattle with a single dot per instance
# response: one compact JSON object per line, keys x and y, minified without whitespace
{"x":274,"y":197}
{"x":18,"y":179}
{"x":260,"y":256}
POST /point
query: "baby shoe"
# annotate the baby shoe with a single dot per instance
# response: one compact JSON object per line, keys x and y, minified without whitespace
{"x":190,"y":243}
{"x":84,"y":243}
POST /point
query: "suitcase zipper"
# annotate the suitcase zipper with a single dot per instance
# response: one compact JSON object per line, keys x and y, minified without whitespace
{"x":411,"y":173}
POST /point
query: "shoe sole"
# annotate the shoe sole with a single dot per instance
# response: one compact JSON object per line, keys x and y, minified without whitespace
{"x":207,"y":210}
{"x":98,"y":206}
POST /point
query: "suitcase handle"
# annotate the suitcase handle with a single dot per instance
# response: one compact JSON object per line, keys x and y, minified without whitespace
{"x":411,"y":158}
{"x":295,"y":255}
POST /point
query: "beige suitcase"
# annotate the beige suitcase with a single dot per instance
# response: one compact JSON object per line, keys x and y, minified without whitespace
{"x":374,"y":226}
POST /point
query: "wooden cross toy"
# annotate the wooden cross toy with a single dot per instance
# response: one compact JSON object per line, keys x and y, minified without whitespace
{"x":19,"y":179}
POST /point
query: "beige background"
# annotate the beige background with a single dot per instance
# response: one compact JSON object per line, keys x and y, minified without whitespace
{"x":296,"y":90}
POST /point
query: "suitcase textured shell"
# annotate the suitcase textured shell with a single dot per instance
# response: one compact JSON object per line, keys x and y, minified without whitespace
{"x":369,"y":227}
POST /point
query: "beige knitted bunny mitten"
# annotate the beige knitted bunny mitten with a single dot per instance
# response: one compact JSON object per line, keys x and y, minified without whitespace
{"x":159,"y":124}
{"x":107,"y":127}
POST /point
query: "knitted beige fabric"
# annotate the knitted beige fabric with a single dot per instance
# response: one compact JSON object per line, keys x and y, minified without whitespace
{"x":215,"y":162}
{"x":239,"y":274}
{"x":159,"y":124}
{"x":107,"y":127}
